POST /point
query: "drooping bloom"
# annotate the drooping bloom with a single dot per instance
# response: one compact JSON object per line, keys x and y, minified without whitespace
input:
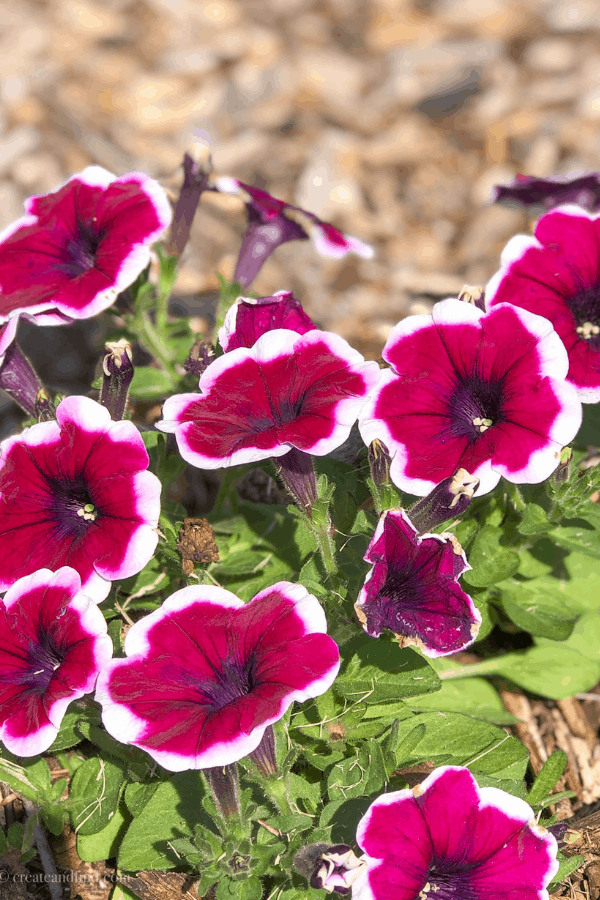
{"x":287,"y":391}
{"x":582,"y":190}
{"x":329,"y":868}
{"x":485,"y":392}
{"x":556,"y":274}
{"x":413,"y":591}
{"x":249,"y":318}
{"x":76,"y":492}
{"x":77,"y":247}
{"x":18,"y":378}
{"x":448,"y":500}
{"x":54,"y":643}
{"x":447,"y":838}
{"x":272,"y":222}
{"x":206,"y":674}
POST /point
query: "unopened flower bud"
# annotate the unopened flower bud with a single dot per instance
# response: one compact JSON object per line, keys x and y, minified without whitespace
{"x":117,"y":368}
{"x":200,"y":357}
{"x":45,"y":410}
{"x":448,"y":500}
{"x":379,"y":462}
{"x":473,"y":294}
{"x":197,"y":166}
{"x":18,"y":378}
{"x":563,"y":472}
{"x":329,"y":868}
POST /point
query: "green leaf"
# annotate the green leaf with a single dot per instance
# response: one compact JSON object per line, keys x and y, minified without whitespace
{"x":490,"y":561}
{"x":578,"y":535}
{"x":54,"y":818}
{"x":94,"y":795}
{"x":32,"y":779}
{"x":105,"y":843}
{"x":150,"y":384}
{"x":547,"y":777}
{"x":535,"y":520}
{"x":540,"y":613}
{"x":566,"y":867}
{"x":473,"y":697}
{"x":172,"y":812}
{"x":381,"y":672}
{"x":248,"y":889}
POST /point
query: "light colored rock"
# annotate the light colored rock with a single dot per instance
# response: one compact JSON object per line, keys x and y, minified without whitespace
{"x":572,"y":15}
{"x":481,"y":193}
{"x":551,"y":55}
{"x":542,"y":159}
{"x":410,"y":139}
{"x":418,"y":72}
{"x":487,"y":233}
{"x":337,"y":78}
{"x":328,"y":183}
{"x":245,"y":149}
{"x":190,"y":61}
{"x":17,"y":143}
{"x":11,"y":204}
{"x":38,"y":173}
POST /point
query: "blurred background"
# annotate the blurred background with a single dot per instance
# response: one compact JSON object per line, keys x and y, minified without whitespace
{"x":392,"y":119}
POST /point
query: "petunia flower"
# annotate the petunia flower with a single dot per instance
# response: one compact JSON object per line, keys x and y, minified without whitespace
{"x":250,"y":318}
{"x":76,"y":492}
{"x":413,"y":591}
{"x":272,"y":222}
{"x":556,"y":274}
{"x":79,"y":246}
{"x":206,"y":674}
{"x":582,"y":190}
{"x":447,"y":838}
{"x":329,"y":868}
{"x":288,"y":390}
{"x":485,"y":392}
{"x":18,"y":378}
{"x":54,"y":643}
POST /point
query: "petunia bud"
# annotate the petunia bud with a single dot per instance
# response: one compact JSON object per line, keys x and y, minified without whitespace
{"x":18,"y":378}
{"x":117,"y":367}
{"x":45,"y":410}
{"x":379,"y":462}
{"x":329,"y":868}
{"x":225,"y":788}
{"x":473,"y":294}
{"x":448,"y":500}
{"x":197,"y":166}
{"x":200,"y":357}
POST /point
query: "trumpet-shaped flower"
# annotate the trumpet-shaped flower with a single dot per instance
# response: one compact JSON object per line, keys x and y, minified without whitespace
{"x":206,"y":674}
{"x":449,"y":839}
{"x":77,"y":247}
{"x":54,"y":643}
{"x":76,"y":492}
{"x":485,"y":392}
{"x":249,"y":318}
{"x":413,"y":591}
{"x":556,"y":274}
{"x":288,"y":390}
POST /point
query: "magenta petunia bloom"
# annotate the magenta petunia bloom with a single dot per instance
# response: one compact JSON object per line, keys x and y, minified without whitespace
{"x":450,"y":839}
{"x":413,"y":591}
{"x":206,"y":674}
{"x":76,"y":492}
{"x":81,"y":245}
{"x":481,"y":391}
{"x":249,"y":318}
{"x":526,"y":191}
{"x":288,"y":390}
{"x":556,"y":274}
{"x":272,"y":222}
{"x":54,"y":643}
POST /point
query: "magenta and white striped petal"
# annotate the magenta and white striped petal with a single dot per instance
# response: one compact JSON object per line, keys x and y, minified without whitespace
{"x":54,"y":643}
{"x":76,"y":492}
{"x":288,"y":390}
{"x":80,"y":245}
{"x":556,"y":274}
{"x":206,"y":674}
{"x":481,"y":391}
{"x":449,"y":837}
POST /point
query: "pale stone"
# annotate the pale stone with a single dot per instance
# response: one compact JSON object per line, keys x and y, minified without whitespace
{"x":17,"y":143}
{"x":11,"y":204}
{"x":551,"y":55}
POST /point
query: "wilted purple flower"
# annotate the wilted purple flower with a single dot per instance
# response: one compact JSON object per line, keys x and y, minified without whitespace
{"x":54,"y":643}
{"x":249,"y":318}
{"x":76,"y":492}
{"x":206,"y":674}
{"x":413,"y":591}
{"x":485,"y":392}
{"x":329,"y":868}
{"x":18,"y":378}
{"x":79,"y":246}
{"x":448,"y":500}
{"x":288,"y":390}
{"x":450,"y":839}
{"x":583,"y":190}
{"x":272,"y":222}
{"x":556,"y":274}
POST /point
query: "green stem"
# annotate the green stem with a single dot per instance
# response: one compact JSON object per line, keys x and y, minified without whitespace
{"x":485,"y":667}
{"x":326,"y":549}
{"x":229,"y":478}
{"x":276,"y":788}
{"x":515,"y":495}
{"x":151,"y":339}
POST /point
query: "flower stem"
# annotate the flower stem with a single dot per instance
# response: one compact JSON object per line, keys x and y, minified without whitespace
{"x":485,"y":667}
{"x":152,"y":341}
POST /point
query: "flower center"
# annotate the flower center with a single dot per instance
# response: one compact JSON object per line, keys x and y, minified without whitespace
{"x":43,"y":659}
{"x":81,"y":250}
{"x":444,"y":885}
{"x":233,"y":679}
{"x":585,"y":306}
{"x":475,"y":406}
{"x":72,"y":507}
